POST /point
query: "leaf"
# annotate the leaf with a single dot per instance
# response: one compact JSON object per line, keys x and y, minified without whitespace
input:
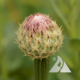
{"x":74,"y":45}
{"x":65,"y":76}
{"x":67,"y":59}
{"x":35,"y":3}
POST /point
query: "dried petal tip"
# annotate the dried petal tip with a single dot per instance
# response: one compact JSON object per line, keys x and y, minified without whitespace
{"x":39,"y":36}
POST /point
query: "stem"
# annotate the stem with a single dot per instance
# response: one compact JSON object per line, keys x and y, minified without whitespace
{"x":61,"y":16}
{"x":76,"y":63}
{"x":3,"y":63}
{"x":41,"y":69}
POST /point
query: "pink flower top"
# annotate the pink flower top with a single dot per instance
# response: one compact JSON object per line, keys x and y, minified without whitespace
{"x":37,"y":23}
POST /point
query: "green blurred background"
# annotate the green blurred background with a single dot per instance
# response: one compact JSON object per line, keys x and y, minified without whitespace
{"x":13,"y":64}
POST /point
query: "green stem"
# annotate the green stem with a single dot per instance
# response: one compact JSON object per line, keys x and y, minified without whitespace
{"x":61,"y":16}
{"x":3,"y":63}
{"x":76,"y":63}
{"x":72,"y":29}
{"x":41,"y":69}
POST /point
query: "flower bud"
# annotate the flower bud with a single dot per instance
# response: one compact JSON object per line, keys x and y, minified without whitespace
{"x":39,"y":37}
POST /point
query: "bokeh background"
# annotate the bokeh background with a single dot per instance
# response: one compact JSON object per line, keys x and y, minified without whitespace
{"x":13,"y":64}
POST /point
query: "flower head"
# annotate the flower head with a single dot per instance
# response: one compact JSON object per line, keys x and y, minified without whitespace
{"x":39,"y":36}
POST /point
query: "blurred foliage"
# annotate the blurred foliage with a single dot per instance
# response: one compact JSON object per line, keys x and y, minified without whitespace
{"x":13,"y":64}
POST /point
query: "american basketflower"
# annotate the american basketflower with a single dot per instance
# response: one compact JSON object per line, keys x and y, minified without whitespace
{"x":39,"y":37}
